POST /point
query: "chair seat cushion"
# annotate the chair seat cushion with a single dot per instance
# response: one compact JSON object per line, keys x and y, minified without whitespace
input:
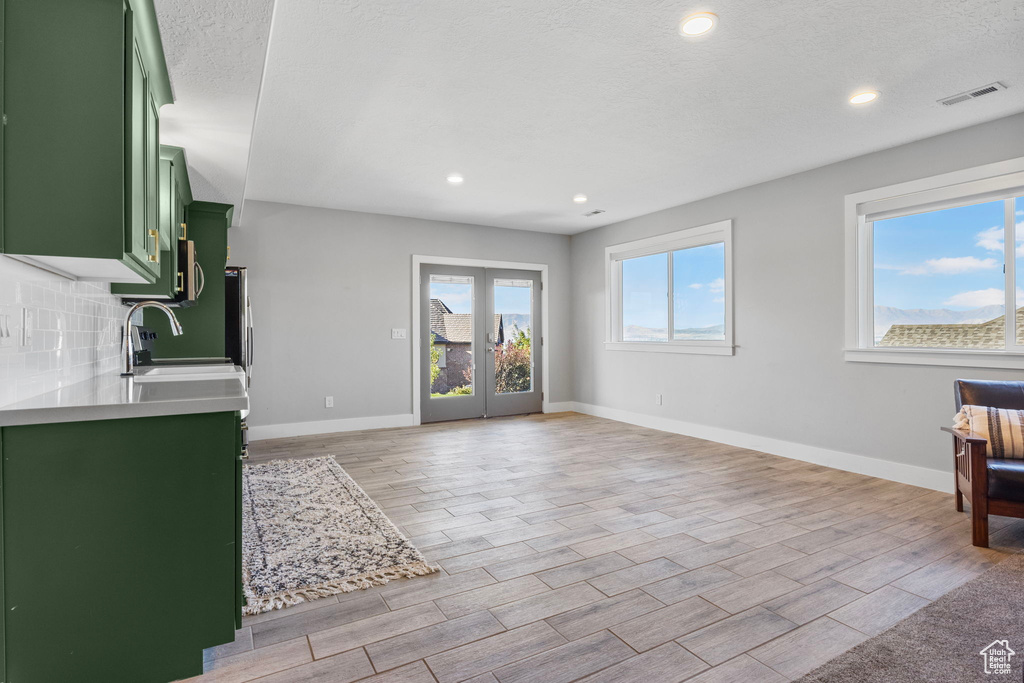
{"x":1006,"y":479}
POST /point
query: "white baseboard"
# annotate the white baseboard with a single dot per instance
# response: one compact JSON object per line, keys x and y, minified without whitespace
{"x":352,"y":424}
{"x":560,"y":407}
{"x":849,"y":462}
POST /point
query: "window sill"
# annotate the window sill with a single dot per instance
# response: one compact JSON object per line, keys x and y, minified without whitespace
{"x":722,"y":349}
{"x":943,"y":357}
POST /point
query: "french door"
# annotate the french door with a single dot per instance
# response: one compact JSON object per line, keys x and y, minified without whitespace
{"x":480,"y":342}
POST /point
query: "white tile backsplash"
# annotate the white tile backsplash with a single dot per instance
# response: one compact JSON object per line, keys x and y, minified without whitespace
{"x":75,"y":331}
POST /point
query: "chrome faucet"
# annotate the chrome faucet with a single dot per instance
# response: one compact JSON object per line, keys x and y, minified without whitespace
{"x":127,"y":347}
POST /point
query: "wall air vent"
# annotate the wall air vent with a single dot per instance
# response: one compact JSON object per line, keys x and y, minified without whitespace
{"x":588,"y":214}
{"x":973,"y":93}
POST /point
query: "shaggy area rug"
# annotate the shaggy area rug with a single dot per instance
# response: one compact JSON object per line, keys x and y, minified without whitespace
{"x":309,"y":531}
{"x":943,"y":642}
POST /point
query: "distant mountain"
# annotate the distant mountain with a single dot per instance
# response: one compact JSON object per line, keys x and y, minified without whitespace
{"x":639,"y":333}
{"x":887,"y":316}
{"x":520,"y":320}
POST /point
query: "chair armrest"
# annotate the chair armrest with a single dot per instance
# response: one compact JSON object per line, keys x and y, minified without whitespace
{"x":966,"y":437}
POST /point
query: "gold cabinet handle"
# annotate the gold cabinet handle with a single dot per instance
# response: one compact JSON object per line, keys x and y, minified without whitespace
{"x":229,"y":252}
{"x":181,"y":282}
{"x":184,"y":233}
{"x":155,"y":256}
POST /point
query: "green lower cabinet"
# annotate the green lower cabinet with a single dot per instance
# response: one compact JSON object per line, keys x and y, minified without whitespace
{"x":120,"y":547}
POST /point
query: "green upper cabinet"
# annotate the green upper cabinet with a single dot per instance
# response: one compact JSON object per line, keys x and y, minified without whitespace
{"x":173,"y":195}
{"x":83,"y":84}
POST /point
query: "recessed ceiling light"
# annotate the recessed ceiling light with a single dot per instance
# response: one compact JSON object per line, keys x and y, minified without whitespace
{"x":455,"y":178}
{"x":580,"y":199}
{"x":697,"y":24}
{"x":864,"y":97}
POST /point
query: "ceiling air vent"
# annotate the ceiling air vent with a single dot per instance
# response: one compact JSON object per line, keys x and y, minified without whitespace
{"x":588,"y":214}
{"x":973,"y":93}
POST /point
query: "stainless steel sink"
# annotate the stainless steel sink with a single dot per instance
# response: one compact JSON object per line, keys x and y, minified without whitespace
{"x":180,"y":373}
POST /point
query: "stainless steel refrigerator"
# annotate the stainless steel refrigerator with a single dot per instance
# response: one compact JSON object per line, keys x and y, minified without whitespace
{"x":238,"y":341}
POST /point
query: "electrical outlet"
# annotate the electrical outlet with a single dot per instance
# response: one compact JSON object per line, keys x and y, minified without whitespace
{"x":657,"y":399}
{"x":328,"y":401}
{"x":397,"y":333}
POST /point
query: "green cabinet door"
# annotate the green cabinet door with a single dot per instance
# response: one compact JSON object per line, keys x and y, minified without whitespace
{"x":76,"y":83}
{"x":173,"y":194}
{"x":136,"y":238}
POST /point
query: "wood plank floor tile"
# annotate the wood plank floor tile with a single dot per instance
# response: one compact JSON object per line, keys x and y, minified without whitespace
{"x":301,"y":623}
{"x":419,"y":644}
{"x":496,"y":594}
{"x":666,"y":519}
{"x":743,"y":669}
{"x":599,"y":615}
{"x":247,"y":666}
{"x":815,"y":567}
{"x":709,"y":553}
{"x":568,"y":662}
{"x":503,"y":571}
{"x":808,"y":647}
{"x":547,"y":604}
{"x":636,"y":576}
{"x":743,"y":594}
{"x":481,"y":558}
{"x":342,"y":668}
{"x":691,"y":583}
{"x":668,"y":623}
{"x":813,"y":601}
{"x":728,"y":638}
{"x":426,"y":588}
{"x":356,"y":634}
{"x":761,"y":560}
{"x":583,"y":570}
{"x":877,"y":611}
{"x":668,"y":663}
{"x":494,"y":652}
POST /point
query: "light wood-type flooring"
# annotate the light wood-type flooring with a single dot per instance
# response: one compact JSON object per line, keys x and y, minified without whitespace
{"x":580,"y":549}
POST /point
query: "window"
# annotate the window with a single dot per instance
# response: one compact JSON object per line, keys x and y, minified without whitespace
{"x":933,"y":268}
{"x":672,"y":292}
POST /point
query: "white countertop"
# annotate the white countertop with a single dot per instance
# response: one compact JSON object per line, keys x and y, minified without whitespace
{"x":111,"y":397}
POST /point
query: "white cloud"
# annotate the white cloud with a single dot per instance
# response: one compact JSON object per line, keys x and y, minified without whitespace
{"x":977,"y":298}
{"x":952,"y":266}
{"x":718,"y":300}
{"x":717,"y":285}
{"x":696,"y":285}
{"x":992,"y":238}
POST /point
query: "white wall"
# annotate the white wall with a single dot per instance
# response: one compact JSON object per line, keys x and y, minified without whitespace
{"x":327,"y":287}
{"x":788,"y":386}
{"x":76,"y":329}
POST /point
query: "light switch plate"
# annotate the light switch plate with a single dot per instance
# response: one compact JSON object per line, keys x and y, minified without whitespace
{"x":398,"y":333}
{"x":328,"y":401}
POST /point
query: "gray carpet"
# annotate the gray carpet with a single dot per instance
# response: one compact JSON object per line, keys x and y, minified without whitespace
{"x":942,"y":642}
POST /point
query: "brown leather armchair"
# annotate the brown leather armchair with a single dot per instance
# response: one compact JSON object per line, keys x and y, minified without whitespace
{"x":991,"y":485}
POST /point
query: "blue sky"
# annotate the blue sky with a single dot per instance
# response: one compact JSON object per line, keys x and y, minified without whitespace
{"x":459,"y":297}
{"x":699,"y":288}
{"x":944,"y":259}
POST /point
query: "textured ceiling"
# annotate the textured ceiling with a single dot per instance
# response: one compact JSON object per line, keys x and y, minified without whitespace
{"x":368,"y":104}
{"x":215,"y":53}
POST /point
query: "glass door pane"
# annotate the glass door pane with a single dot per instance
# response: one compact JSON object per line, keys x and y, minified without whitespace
{"x":511,"y":333}
{"x":451,"y":336}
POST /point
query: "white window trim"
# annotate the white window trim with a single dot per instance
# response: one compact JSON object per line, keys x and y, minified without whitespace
{"x":682,"y":239}
{"x":968,"y":186}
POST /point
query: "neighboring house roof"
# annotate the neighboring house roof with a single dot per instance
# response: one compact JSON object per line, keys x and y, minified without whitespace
{"x":987,"y":335}
{"x":437,"y":313}
{"x":457,"y":328}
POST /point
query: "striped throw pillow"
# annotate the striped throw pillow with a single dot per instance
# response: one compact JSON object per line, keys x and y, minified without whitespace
{"x":1003,"y":428}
